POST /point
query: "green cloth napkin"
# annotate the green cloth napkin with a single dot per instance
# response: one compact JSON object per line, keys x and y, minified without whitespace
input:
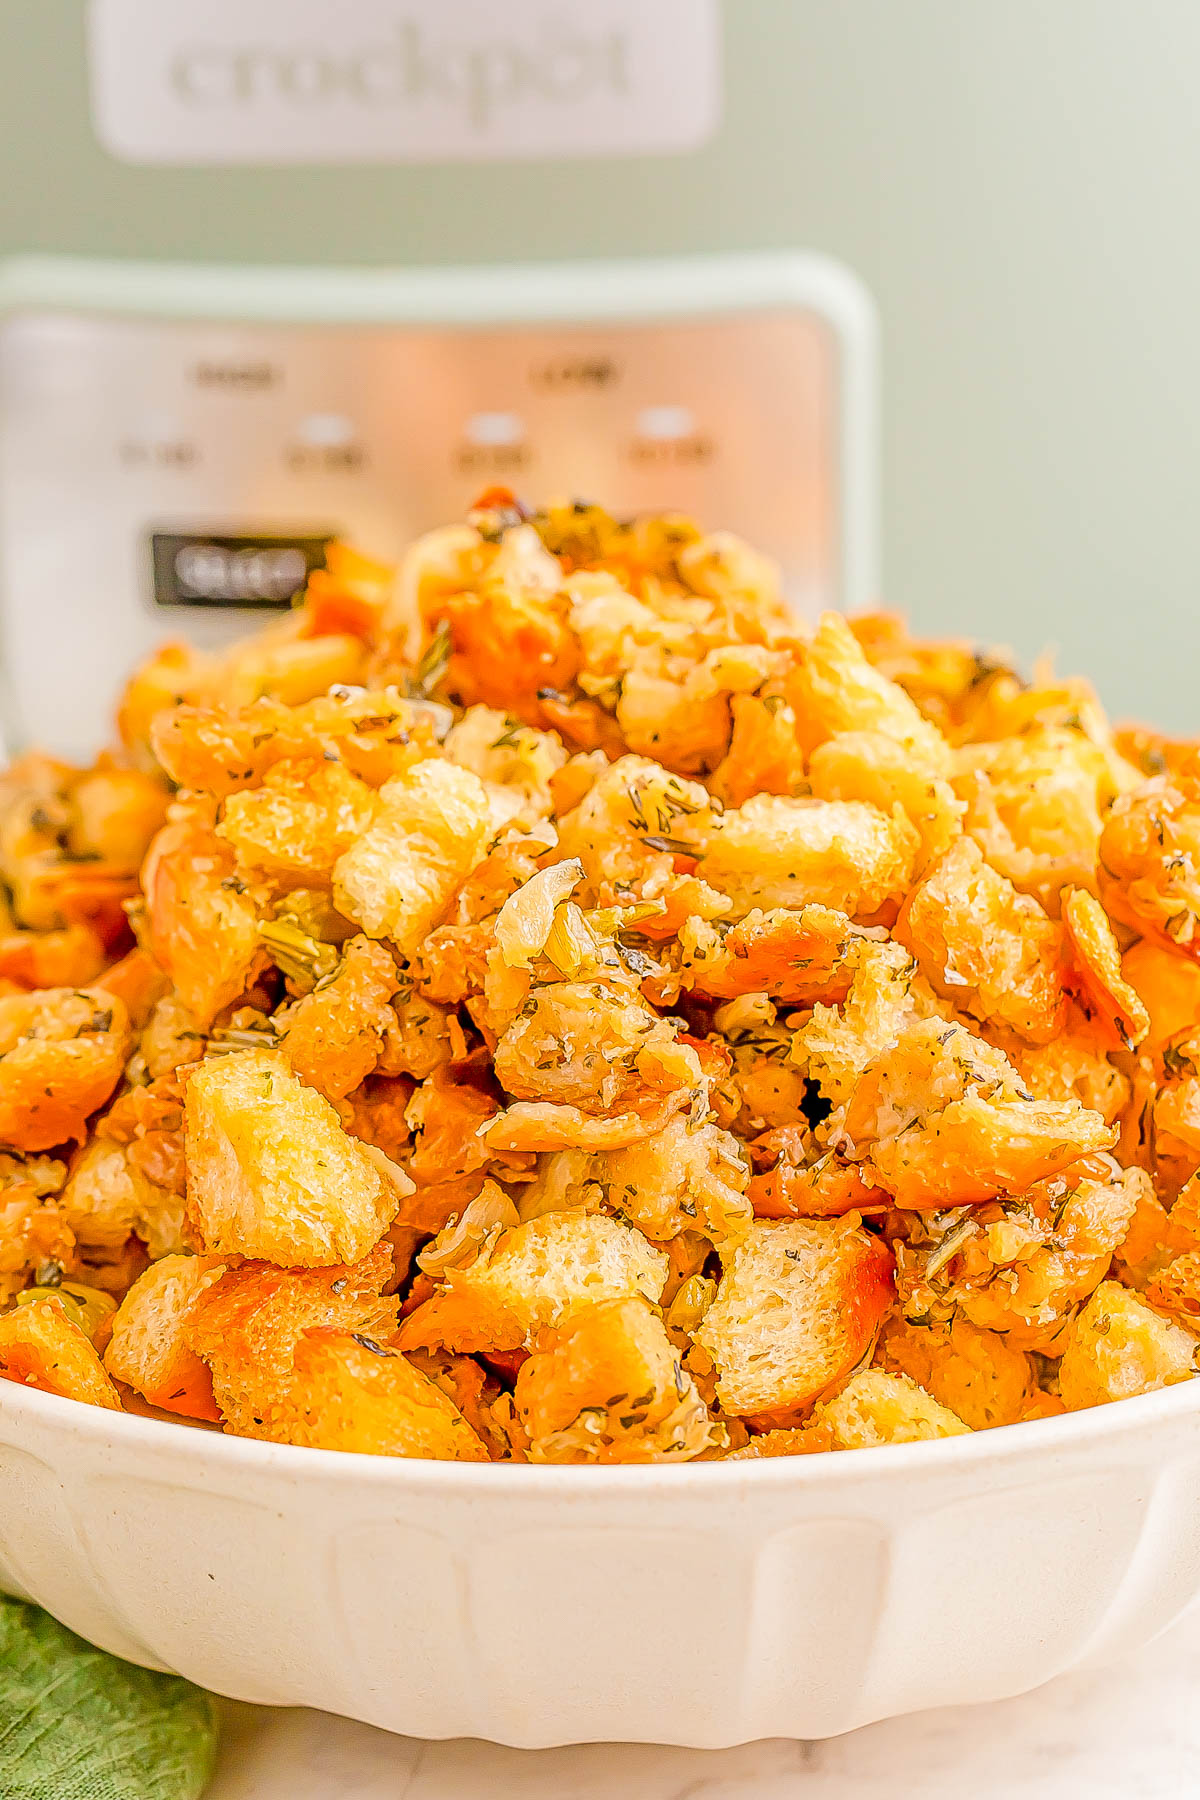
{"x":77,"y":1724}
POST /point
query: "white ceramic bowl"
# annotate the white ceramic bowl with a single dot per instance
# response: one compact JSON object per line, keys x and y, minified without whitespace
{"x":533,"y":1606}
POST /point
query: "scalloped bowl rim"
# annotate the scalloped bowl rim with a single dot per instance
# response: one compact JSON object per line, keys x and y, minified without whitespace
{"x":1000,"y":1444}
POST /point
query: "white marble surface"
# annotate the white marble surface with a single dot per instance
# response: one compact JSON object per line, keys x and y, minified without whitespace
{"x":1130,"y":1732}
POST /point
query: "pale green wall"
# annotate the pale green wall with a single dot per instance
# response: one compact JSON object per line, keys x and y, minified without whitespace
{"x":1016,"y":179}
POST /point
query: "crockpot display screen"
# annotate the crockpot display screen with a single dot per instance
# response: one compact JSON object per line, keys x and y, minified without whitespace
{"x":208,"y":569}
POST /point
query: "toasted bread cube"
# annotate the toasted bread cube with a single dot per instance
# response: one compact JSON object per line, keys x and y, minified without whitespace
{"x":795,"y":1440}
{"x":588,"y":1044}
{"x":353,"y":1393}
{"x":670,"y":721}
{"x":271,"y":1173}
{"x":1118,"y":1346}
{"x":533,"y":1276}
{"x":797,"y":1307}
{"x":607,"y":830}
{"x":108,"y":1196}
{"x":839,"y":1043}
{"x":608,"y":1386}
{"x":399,"y":877}
{"x":1147,"y":860}
{"x":775,"y":851}
{"x":299,"y":822}
{"x":835,"y":689}
{"x":876,"y":1408}
{"x":247,"y":1324}
{"x":147,"y":1349}
{"x":62,"y":1052}
{"x":335,"y":1035}
{"x":515,"y":765}
{"x":976,"y":1374}
{"x":982,"y":945}
{"x":1035,"y":799}
{"x":872,"y":766}
{"x":764,"y":755}
{"x":1168,"y":986}
{"x":33,"y":1231}
{"x":687,"y":1178}
{"x":1029,"y":1283}
{"x":42,"y":1348}
{"x":1155,"y":1238}
{"x":1103,"y":992}
{"x":544,"y":1125}
{"x":799,"y":956}
{"x":976,"y":1148}
{"x":203,"y":923}
{"x":945,"y":1120}
{"x":1176,"y":1287}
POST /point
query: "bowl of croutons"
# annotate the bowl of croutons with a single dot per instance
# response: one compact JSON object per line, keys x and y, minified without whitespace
{"x":581,"y":1158}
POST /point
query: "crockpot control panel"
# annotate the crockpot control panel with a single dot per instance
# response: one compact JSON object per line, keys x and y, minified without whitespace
{"x":173,"y":476}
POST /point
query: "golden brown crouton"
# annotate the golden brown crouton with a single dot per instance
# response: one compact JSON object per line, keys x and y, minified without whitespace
{"x":667,"y":719}
{"x":219,"y":750}
{"x":420,"y":1036}
{"x":834,"y":689}
{"x":246,"y":1326}
{"x":841,"y":854}
{"x":797,"y":1307}
{"x":794,"y":1440}
{"x":764,"y":754}
{"x":398,"y":878}
{"x":585,"y":1044}
{"x":271,"y":1173}
{"x":544,"y":1125}
{"x":1149,"y":860}
{"x":61,"y":1055}
{"x":147,"y":1349}
{"x":807,"y":1183}
{"x":689,"y":1177}
{"x":534,"y":1276}
{"x":42,"y":1348}
{"x":1073,"y":1066}
{"x":838,"y":1044}
{"x":353,"y":1393}
{"x":876,"y":1408}
{"x":514,"y":762}
{"x":1020,"y":1267}
{"x":982,"y":945}
{"x":977,"y":1374}
{"x":1175,"y":1288}
{"x":1156,"y":1237}
{"x":1035,"y":803}
{"x":872,"y":766}
{"x":294,"y":827}
{"x":977,"y":1147}
{"x":33,"y":1232}
{"x":108,"y":1196}
{"x":607,"y":1386}
{"x":800,"y":956}
{"x":334,"y":1036}
{"x":507,"y":636}
{"x":1118,"y":1346}
{"x":171,"y":1038}
{"x":619,"y":828}
{"x":115,"y":813}
{"x":203,"y":922}
{"x":1168,"y":985}
{"x":1096,"y":978}
{"x":943,"y":1119}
